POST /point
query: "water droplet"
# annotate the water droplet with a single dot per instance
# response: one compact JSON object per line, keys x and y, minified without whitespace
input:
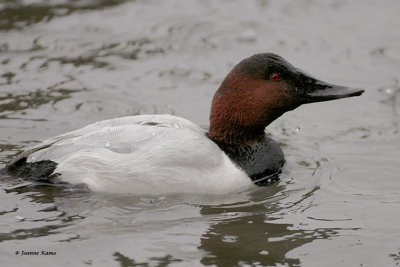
{"x":175,"y":125}
{"x":297,"y":129}
{"x":20,"y":218}
{"x":153,"y":134}
{"x":229,"y":238}
{"x":108,"y":144}
{"x":250,"y":222}
{"x":389,"y":91}
{"x":264,"y":252}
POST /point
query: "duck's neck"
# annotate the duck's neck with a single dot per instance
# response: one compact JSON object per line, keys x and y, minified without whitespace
{"x":236,"y":134}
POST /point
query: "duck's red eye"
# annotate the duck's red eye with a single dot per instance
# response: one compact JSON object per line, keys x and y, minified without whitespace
{"x":275,"y":77}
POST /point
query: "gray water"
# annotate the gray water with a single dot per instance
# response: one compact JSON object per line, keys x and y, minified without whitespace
{"x":65,"y":64}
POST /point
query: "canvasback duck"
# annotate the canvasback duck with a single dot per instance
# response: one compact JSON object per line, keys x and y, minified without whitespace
{"x":161,"y":154}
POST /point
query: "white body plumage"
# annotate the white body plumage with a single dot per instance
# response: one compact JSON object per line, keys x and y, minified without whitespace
{"x":145,"y":154}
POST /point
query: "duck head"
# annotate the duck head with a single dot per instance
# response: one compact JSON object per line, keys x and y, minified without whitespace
{"x":260,"y":89}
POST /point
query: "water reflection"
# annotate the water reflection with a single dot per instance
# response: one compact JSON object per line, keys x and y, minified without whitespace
{"x":249,"y":228}
{"x":8,"y":151}
{"x":256,"y":242}
{"x":17,"y":14}
{"x":34,"y":214}
{"x":11,"y":104}
{"x":250,"y":236}
{"x":125,"y":261}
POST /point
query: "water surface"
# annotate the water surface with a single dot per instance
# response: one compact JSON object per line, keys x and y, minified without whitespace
{"x":65,"y":64}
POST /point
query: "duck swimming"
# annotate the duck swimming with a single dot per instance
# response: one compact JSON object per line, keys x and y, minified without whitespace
{"x":161,"y":154}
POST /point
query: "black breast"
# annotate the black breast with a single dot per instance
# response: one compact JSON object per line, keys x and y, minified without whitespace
{"x":262,"y":161}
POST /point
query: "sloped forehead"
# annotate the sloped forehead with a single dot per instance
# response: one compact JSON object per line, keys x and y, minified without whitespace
{"x":259,"y":64}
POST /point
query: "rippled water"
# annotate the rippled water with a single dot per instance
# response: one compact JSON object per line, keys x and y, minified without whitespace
{"x":65,"y":64}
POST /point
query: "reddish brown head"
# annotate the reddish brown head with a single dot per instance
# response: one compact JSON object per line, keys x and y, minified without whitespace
{"x":260,"y":89}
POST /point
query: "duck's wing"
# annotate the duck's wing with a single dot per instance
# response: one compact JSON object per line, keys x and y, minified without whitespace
{"x":115,"y":134}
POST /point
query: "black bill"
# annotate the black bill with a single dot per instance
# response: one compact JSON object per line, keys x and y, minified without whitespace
{"x":318,"y":91}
